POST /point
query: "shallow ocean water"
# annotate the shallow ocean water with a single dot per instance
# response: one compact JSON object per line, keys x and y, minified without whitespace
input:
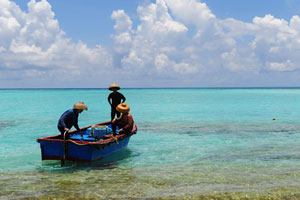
{"x":191,"y":143}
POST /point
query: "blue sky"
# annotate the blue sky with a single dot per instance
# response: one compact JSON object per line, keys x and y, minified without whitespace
{"x":90,"y":20}
{"x":157,"y":43}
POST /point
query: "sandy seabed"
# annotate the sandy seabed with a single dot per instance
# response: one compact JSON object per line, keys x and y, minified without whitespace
{"x":111,"y":182}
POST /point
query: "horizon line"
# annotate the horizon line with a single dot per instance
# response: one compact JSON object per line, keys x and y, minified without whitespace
{"x":249,"y":87}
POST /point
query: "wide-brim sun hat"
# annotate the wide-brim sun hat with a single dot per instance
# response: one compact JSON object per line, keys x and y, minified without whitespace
{"x":123,"y":108}
{"x":80,"y":106}
{"x":114,"y":86}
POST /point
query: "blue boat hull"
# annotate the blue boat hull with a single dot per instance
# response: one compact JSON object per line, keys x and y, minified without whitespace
{"x":53,"y":148}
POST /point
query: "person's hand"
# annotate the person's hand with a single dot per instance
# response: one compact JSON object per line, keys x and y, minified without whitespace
{"x":113,"y":121}
{"x":120,"y":130}
{"x":66,"y":129}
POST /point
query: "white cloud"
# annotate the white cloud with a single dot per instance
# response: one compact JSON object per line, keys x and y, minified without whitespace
{"x":277,"y":41}
{"x":162,"y":62}
{"x":240,"y":60}
{"x":178,"y":40}
{"x":123,"y":22}
{"x":155,"y":41}
{"x":191,"y":12}
{"x":157,"y":22}
{"x":34,"y":44}
{"x":123,"y":28}
{"x":284,"y":66}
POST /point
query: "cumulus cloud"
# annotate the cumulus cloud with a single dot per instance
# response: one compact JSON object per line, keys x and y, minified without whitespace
{"x":180,"y":42}
{"x":184,"y":39}
{"x":34,"y":45}
{"x":123,"y":30}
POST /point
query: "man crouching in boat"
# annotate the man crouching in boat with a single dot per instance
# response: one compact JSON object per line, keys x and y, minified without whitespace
{"x":70,"y":118}
{"x":125,"y":121}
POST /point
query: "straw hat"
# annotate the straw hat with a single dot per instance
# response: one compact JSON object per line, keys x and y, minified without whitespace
{"x":80,"y":106}
{"x":123,"y":108}
{"x":114,"y":86}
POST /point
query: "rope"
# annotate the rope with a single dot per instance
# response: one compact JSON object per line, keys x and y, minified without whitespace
{"x":99,"y":127}
{"x":110,"y":140}
{"x":104,"y":142}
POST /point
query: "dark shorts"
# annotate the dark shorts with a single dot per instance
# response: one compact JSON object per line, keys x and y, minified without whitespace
{"x":62,"y":131}
{"x":120,"y":125}
{"x":114,"y":112}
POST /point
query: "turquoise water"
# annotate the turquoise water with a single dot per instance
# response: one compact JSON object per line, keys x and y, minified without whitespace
{"x":194,"y":143}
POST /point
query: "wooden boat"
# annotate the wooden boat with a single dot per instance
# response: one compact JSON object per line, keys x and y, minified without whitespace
{"x":84,"y":149}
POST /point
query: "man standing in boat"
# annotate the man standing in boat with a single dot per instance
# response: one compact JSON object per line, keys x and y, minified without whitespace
{"x":70,"y":118}
{"x":114,"y":99}
{"x":125,"y":121}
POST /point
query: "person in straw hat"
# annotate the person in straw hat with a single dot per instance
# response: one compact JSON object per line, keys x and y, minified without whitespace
{"x":125,"y":121}
{"x":70,"y":118}
{"x":115,"y":99}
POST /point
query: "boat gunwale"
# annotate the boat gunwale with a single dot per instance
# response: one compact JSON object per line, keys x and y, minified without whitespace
{"x":105,"y":141}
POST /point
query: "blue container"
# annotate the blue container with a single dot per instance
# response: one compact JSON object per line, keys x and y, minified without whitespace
{"x":92,"y":134}
{"x":98,"y":131}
